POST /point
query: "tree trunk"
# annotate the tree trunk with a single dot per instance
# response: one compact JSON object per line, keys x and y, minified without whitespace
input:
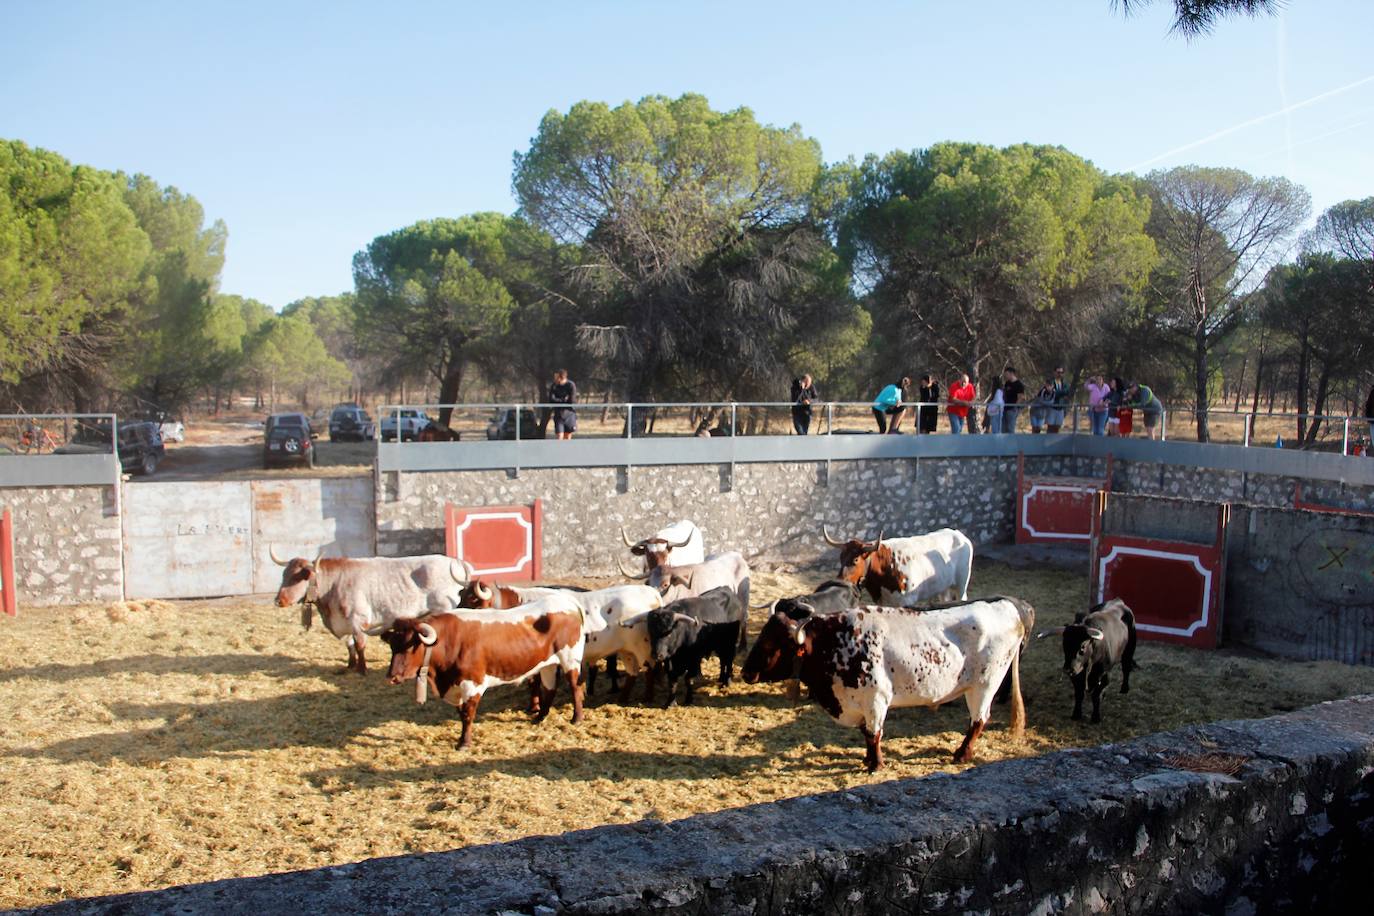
{"x":1318,"y":409}
{"x":1200,"y":377}
{"x":1304,"y":369}
{"x":449,"y":388}
{"x":1240,"y":382}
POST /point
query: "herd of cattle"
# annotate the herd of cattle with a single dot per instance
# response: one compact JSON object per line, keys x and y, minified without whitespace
{"x":895,"y":628}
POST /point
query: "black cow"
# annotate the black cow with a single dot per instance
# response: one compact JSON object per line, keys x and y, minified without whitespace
{"x":687,"y":630}
{"x":829,"y":597}
{"x":1093,"y":643}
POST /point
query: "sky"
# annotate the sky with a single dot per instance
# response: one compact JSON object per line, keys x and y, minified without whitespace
{"x":312,"y":128}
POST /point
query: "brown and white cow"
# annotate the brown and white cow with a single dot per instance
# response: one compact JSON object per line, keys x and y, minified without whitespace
{"x":460,"y":655}
{"x":903,"y":572}
{"x":362,"y":596}
{"x":860,"y":663}
{"x":479,"y":594}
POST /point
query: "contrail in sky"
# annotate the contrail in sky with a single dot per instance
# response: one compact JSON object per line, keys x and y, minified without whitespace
{"x":1282,"y":69}
{"x":1253,"y":121}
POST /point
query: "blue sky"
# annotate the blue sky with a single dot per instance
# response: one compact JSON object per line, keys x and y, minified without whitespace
{"x":311,"y":128}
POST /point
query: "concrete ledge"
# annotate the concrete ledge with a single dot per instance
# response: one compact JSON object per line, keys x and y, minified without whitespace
{"x":1119,"y":828}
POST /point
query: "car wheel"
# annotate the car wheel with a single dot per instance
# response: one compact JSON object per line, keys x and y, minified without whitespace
{"x":148,"y":464}
{"x":291,"y":446}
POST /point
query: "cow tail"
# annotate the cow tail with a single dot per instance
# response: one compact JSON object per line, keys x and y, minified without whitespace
{"x":1018,"y":705}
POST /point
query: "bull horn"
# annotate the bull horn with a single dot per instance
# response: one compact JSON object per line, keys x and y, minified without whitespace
{"x":626,"y":538}
{"x":630,"y":575}
{"x":759,"y":607}
{"x":1055,"y":632}
{"x":454,"y":566}
{"x":317,"y":557}
{"x":469,"y":568}
{"x":427,"y":634}
{"x":684,"y":543}
{"x":1095,"y":633}
{"x":482,"y":591}
{"x":272,"y":552}
{"x":879,"y":542}
{"x":685,"y":617}
{"x":825,"y":532}
{"x":799,"y":633}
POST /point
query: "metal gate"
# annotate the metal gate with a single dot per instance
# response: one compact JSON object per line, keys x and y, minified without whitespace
{"x":1174,"y":586}
{"x":502,"y":543}
{"x":1056,"y":510}
{"x":201,"y":539}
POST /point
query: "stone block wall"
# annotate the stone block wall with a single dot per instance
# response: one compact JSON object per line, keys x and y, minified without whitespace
{"x":1138,"y":827}
{"x":66,"y":544}
{"x":770,"y":512}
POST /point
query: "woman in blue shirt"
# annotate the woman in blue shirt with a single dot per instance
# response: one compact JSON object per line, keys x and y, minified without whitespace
{"x":889,"y":404}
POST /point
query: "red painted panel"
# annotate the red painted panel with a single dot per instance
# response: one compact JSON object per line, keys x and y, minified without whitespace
{"x":1174,"y":588}
{"x":503,"y":543}
{"x":1056,"y":510}
{"x":9,"y":592}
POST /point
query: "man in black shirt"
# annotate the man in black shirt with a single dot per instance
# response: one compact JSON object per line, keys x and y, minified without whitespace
{"x":929,"y":414}
{"x":803,"y":394}
{"x":1012,"y":389}
{"x":563,"y":391}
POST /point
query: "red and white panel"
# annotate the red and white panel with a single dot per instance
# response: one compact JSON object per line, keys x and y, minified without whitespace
{"x":1174,"y":588}
{"x":1056,"y":510}
{"x":9,"y":592}
{"x":502,"y":543}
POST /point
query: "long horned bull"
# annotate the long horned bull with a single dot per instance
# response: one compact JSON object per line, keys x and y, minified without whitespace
{"x":627,"y":573}
{"x":643,"y":545}
{"x":836,"y":542}
{"x":272,"y":552}
{"x":427,"y":638}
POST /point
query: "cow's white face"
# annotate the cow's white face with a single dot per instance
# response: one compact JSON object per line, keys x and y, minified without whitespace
{"x":295,"y":579}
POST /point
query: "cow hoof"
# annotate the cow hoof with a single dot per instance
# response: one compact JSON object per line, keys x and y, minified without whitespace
{"x":963,"y":756}
{"x":577,"y":719}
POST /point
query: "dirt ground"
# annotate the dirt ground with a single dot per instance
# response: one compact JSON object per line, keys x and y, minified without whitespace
{"x":230,"y":448}
{"x":150,"y":744}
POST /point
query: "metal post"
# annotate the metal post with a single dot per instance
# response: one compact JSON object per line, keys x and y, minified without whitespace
{"x":734,"y":431}
{"x":629,"y":421}
{"x":1163,"y":424}
{"x":1075,"y":419}
{"x":829,"y":417}
{"x":517,"y":440}
{"x":1345,"y":438}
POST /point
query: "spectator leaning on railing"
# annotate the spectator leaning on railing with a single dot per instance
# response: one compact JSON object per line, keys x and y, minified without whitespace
{"x":1098,"y":390}
{"x":928,"y":414}
{"x":1369,"y":414}
{"x":1012,"y":390}
{"x":961,"y":397}
{"x":887,"y":407}
{"x":803,"y":396}
{"x":1143,"y":398}
{"x":1059,"y":401}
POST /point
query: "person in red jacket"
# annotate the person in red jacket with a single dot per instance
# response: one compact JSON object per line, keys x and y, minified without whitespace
{"x":962,"y":394}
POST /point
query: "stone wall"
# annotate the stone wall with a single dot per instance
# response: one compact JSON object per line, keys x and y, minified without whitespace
{"x":770,"y":512}
{"x":66,"y":544}
{"x":1127,"y":828}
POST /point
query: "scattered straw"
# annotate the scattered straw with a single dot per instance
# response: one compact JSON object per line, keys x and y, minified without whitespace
{"x":1213,"y":762}
{"x":155,"y":743}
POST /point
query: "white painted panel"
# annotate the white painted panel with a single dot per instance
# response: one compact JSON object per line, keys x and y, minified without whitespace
{"x":187,"y":540}
{"x":301,"y":517}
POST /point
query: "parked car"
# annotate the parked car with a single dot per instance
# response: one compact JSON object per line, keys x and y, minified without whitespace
{"x":288,"y":439}
{"x":412,"y":421}
{"x":140,"y":444}
{"x":348,"y":421}
{"x":502,"y":425}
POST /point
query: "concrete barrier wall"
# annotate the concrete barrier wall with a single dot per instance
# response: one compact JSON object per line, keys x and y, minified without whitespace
{"x":1124,"y":828}
{"x":1301,"y":584}
{"x":66,"y":544}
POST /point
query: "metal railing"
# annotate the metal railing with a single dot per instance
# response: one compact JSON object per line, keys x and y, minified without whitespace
{"x":493,"y":421}
{"x":56,"y":449}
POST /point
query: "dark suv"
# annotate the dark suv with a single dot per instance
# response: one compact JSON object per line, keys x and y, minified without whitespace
{"x":140,"y":444}
{"x":502,"y":426}
{"x":349,"y":421}
{"x":288,"y":439}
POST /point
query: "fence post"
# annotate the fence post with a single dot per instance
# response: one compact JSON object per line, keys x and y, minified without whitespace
{"x":829,"y":417}
{"x":8,"y":602}
{"x":1249,"y":424}
{"x":517,"y":440}
{"x":734,"y":430}
{"x":1163,"y":424}
{"x":1345,"y":438}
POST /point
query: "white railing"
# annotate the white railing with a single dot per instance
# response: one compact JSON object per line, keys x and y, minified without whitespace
{"x":58,"y":449}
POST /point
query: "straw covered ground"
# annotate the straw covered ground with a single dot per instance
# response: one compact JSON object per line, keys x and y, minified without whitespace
{"x":150,"y":744}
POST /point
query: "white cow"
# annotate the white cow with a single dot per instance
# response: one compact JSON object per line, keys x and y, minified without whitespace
{"x":358,"y":597}
{"x":860,"y":663}
{"x":904,"y":572}
{"x":680,"y":544}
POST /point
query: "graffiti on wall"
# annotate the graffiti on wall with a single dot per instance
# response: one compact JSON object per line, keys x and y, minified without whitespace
{"x":1333,"y":566}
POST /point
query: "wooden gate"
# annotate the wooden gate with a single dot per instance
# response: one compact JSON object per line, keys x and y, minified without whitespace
{"x":9,"y":597}
{"x":1056,"y":510}
{"x":1175,"y":587}
{"x":502,"y":543}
